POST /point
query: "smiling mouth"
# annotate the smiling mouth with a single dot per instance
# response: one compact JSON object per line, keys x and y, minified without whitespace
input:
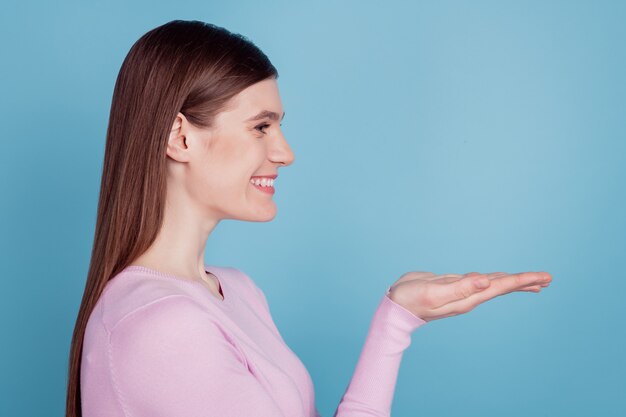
{"x":262,"y":181}
{"x":265,"y":185}
{"x":269,"y":189}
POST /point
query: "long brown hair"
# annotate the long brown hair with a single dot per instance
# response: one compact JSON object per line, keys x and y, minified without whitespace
{"x":190,"y":67}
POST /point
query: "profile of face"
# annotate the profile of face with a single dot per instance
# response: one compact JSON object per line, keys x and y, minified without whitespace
{"x":209,"y":171}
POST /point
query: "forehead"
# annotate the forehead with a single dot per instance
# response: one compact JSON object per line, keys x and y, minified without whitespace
{"x":260,"y":96}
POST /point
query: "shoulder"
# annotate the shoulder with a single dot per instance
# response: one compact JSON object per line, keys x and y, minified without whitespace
{"x":171,"y":334}
{"x":128,"y":293}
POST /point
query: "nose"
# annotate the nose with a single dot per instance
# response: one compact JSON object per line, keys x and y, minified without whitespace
{"x":280,"y":151}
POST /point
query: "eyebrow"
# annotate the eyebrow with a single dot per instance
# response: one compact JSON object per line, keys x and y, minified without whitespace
{"x":266,"y":113}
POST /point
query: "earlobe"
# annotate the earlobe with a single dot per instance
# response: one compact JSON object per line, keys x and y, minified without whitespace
{"x":176,"y":149}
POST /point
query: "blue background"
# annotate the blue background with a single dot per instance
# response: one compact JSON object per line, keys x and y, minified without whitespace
{"x":433,"y":136}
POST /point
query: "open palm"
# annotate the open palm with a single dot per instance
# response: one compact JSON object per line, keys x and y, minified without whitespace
{"x":430,"y":296}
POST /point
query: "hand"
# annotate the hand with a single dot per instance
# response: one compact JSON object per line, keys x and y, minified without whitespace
{"x":431,"y":297}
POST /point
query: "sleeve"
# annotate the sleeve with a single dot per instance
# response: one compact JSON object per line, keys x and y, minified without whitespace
{"x":370,"y":391}
{"x":169,"y":358}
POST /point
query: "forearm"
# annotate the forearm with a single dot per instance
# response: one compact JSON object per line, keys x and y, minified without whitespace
{"x":371,"y":389}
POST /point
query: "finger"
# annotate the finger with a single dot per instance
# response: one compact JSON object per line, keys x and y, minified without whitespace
{"x":486,"y":273}
{"x":448,"y":278}
{"x":535,"y":288}
{"x":441,"y":293}
{"x":491,"y":275}
{"x":499,"y":286}
{"x":532,"y":287}
{"x":444,"y":276}
{"x":514,"y":282}
{"x":495,"y":275}
{"x":538,"y":286}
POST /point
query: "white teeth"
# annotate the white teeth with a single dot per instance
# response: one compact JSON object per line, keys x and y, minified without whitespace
{"x":263,"y":182}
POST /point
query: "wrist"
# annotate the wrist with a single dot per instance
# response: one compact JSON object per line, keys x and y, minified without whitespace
{"x":396,"y":296}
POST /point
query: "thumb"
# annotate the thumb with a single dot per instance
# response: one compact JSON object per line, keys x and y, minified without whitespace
{"x":441,"y":292}
{"x":467,"y":286}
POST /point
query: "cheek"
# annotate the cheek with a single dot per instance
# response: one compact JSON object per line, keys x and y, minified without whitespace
{"x":219,"y":180}
{"x":224,"y":172}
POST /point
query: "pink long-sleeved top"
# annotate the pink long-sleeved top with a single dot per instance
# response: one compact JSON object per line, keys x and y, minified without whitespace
{"x":157,"y":345}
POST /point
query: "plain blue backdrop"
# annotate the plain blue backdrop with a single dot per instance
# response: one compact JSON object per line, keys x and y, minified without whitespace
{"x":429,"y":136}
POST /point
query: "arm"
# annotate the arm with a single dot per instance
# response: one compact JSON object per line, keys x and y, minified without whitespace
{"x":371,"y":389}
{"x":169,"y":358}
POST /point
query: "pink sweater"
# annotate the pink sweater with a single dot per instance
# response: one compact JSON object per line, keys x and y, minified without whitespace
{"x":157,"y":345}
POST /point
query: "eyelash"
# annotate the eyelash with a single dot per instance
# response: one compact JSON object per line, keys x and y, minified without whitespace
{"x":259,"y":127}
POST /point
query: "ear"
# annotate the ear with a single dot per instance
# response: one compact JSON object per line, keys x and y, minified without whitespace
{"x":177,"y":148}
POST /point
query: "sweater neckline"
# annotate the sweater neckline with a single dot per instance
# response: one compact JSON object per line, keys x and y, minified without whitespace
{"x":207,"y":268}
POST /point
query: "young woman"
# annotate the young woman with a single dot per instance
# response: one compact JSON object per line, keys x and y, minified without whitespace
{"x":194,"y":137}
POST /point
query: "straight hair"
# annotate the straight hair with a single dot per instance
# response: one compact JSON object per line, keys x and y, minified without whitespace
{"x":190,"y":67}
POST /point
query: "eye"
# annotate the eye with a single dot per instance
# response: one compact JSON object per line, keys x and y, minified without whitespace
{"x":261,"y":126}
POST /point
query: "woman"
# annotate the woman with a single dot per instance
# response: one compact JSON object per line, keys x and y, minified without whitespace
{"x":194,"y":137}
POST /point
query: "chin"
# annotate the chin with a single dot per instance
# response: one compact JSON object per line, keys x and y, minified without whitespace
{"x":259,"y":216}
{"x":267,"y":218}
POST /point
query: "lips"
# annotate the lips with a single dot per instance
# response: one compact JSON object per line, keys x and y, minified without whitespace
{"x":266,"y":189}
